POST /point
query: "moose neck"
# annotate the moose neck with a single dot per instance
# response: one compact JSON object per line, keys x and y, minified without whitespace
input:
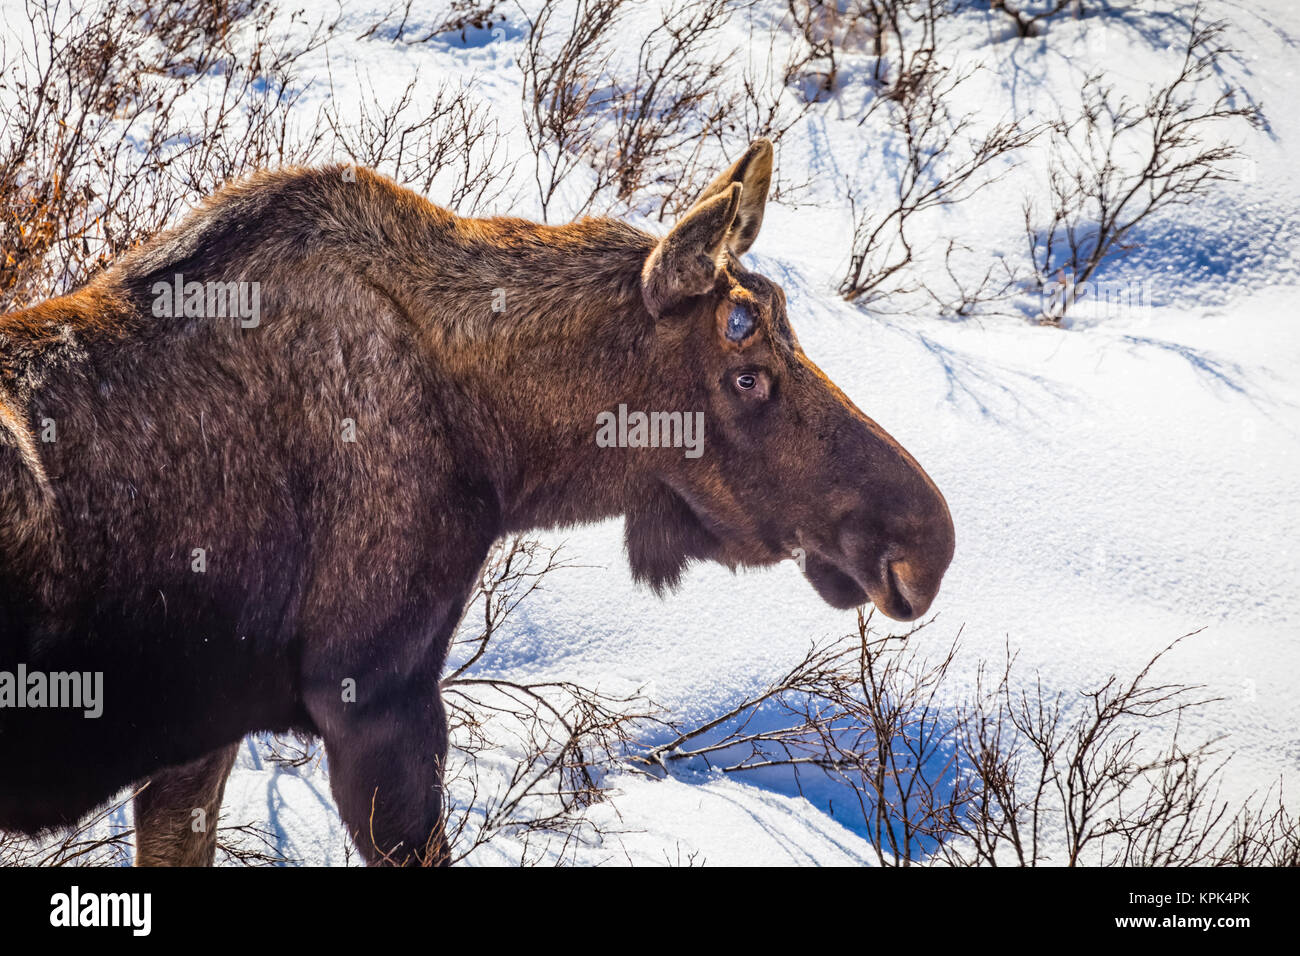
{"x":561,"y":340}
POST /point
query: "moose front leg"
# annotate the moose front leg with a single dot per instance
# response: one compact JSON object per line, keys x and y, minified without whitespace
{"x":374,"y":700}
{"x":386,"y":757}
{"x":176,"y":812}
{"x":371,"y":689}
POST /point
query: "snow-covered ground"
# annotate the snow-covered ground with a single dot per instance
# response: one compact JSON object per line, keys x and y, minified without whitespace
{"x":1114,"y":485}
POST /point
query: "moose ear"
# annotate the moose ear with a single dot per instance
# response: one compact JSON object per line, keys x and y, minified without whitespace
{"x":685,"y":263}
{"x":754,"y":172}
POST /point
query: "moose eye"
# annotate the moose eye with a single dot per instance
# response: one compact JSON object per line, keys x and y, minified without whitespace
{"x":746,"y":381}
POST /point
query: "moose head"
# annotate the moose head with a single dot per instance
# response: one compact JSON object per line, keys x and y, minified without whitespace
{"x":790,"y":466}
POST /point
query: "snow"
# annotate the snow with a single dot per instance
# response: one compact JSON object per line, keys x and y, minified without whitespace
{"x":1113,"y":486}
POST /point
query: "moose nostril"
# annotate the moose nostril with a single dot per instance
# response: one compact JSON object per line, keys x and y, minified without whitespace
{"x":902,"y":577}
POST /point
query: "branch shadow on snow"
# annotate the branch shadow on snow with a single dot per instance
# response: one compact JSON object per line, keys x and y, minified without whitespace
{"x":271,"y":774}
{"x":889,"y":811}
{"x":1243,"y":241}
{"x":974,"y":380}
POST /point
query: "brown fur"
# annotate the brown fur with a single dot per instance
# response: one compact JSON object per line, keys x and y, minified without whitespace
{"x":329,"y":560}
{"x":168,"y":832}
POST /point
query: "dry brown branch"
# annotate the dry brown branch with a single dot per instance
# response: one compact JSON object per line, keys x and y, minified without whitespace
{"x":248,"y":845}
{"x":864,"y":711}
{"x":1109,"y":782}
{"x":581,"y":112}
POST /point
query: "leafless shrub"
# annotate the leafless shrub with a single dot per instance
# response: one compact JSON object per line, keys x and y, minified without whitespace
{"x":113,"y":120}
{"x":1120,"y":162}
{"x":1262,"y":833}
{"x":248,"y":845}
{"x":623,"y":127}
{"x":864,"y":711}
{"x":1109,"y":783}
{"x":450,"y":141}
{"x":899,"y":36}
{"x":666,"y":111}
{"x":904,"y":42}
{"x":957,"y":295}
{"x":527,"y":757}
{"x":458,"y":17}
{"x":1009,"y":775}
{"x":943,"y":161}
{"x":292,"y":750}
{"x":771,"y":102}
{"x":768,"y":105}
{"x":824,"y":28}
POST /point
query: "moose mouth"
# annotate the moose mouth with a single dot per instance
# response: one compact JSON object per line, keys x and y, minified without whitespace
{"x":844,"y":590}
{"x":671,"y":529}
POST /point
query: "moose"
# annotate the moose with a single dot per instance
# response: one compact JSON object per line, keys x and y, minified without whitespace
{"x":231,"y":522}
